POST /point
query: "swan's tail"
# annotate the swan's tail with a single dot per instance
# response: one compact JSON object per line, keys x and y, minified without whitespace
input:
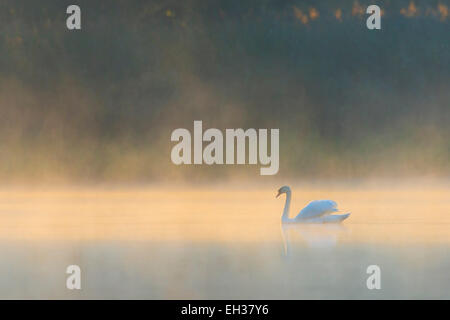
{"x":335,"y":218}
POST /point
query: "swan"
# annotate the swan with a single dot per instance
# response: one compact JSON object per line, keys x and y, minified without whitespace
{"x":318,"y":211}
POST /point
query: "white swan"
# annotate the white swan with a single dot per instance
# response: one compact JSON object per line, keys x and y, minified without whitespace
{"x":318,"y":211}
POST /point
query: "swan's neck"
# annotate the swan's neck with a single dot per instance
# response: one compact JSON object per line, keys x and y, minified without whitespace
{"x":285,"y":216}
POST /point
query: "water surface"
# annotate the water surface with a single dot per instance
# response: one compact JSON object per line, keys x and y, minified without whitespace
{"x":223,"y":242}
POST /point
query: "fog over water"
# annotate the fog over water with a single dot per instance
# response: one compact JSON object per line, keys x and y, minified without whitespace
{"x":224,"y":243}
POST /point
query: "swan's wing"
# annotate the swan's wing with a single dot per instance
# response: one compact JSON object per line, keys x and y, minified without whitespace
{"x":335,"y":218}
{"x":331,"y":218}
{"x":317,"y":208}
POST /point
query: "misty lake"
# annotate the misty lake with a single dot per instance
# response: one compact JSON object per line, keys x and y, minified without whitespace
{"x":223,"y":242}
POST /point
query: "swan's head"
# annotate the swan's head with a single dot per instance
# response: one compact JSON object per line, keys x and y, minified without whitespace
{"x":283,"y":189}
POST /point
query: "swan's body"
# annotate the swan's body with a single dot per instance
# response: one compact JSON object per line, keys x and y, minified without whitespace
{"x":318,"y":211}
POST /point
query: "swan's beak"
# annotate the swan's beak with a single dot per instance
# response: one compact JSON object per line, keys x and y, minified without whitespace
{"x":278,"y":194}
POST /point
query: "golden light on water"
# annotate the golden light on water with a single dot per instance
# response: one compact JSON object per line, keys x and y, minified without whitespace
{"x":162,"y":214}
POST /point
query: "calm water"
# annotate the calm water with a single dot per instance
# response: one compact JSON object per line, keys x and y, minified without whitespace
{"x":225,"y":242}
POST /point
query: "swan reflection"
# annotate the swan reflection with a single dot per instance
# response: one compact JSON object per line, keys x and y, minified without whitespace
{"x":310,"y":235}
